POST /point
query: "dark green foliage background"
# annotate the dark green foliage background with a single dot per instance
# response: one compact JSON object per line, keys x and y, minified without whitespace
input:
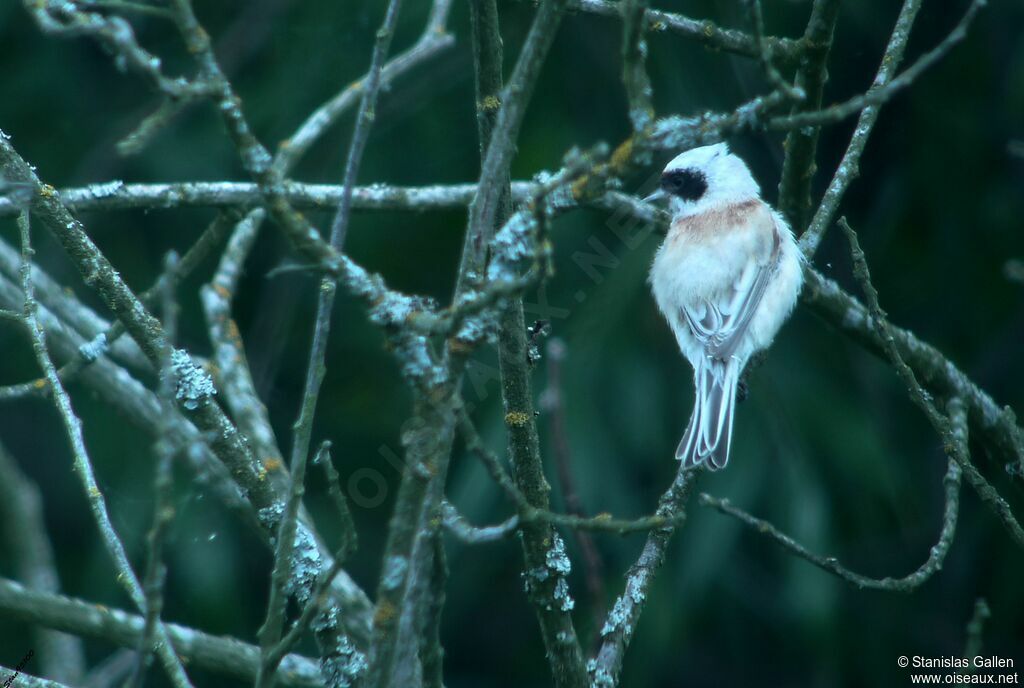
{"x":827,"y":446}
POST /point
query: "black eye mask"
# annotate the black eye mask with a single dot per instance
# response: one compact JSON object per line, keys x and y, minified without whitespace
{"x":688,"y":184}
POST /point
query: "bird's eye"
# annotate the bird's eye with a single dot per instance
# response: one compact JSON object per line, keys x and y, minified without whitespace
{"x":688,"y":184}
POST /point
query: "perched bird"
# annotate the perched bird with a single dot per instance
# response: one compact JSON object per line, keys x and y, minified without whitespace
{"x":726,"y":278}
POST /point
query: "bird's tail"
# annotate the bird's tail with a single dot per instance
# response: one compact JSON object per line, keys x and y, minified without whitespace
{"x":709,"y":432}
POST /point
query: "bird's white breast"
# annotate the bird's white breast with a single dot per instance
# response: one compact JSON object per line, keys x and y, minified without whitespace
{"x":704,"y":256}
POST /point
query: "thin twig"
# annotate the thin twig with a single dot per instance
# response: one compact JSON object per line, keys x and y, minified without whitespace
{"x":553,"y":403}
{"x":802,"y":144}
{"x":634,"y":70}
{"x":881,"y":93}
{"x":270,"y":632}
{"x":703,"y":31}
{"x":115,"y":34}
{"x":996,"y":424}
{"x":195,"y":395}
{"x":232,"y":372}
{"x":163,"y":483}
{"x":975,"y":628}
{"x":908,"y":583}
{"x":794,"y":92}
{"x":984,"y":489}
{"x":83,"y":465}
{"x":469,"y":534}
{"x":528,"y":513}
{"x":848,"y":166}
{"x":108,"y":335}
{"x":353,"y":663}
{"x":30,"y":551}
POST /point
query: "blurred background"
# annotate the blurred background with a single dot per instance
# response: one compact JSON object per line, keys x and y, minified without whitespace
{"x":827,"y":446}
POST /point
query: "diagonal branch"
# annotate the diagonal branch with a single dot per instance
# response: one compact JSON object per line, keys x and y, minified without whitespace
{"x":83,"y":465}
{"x":606,"y":667}
{"x":847,"y":168}
{"x":702,"y":31}
{"x":30,"y":551}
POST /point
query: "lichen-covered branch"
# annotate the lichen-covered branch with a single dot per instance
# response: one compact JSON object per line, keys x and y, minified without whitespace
{"x":427,"y":446}
{"x":195,"y":390}
{"x":155,"y":574}
{"x":528,"y":512}
{"x":228,"y":194}
{"x":552,"y":401}
{"x":105,"y":338}
{"x":702,"y":31}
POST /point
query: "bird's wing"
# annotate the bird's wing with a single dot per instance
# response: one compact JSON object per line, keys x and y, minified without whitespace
{"x":719,"y":325}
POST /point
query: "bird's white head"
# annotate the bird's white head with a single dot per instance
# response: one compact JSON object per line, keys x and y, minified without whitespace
{"x":704,"y":178}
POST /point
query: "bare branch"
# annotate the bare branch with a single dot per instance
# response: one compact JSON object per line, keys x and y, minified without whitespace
{"x":17,"y":677}
{"x":984,"y":489}
{"x":801,"y":145}
{"x":195,"y":402}
{"x":996,"y":425}
{"x":529,"y":513}
{"x":634,"y":69}
{"x":552,"y":401}
{"x":119,"y":196}
{"x":908,"y":583}
{"x":975,"y":627}
{"x":105,"y":337}
{"x":879,"y":94}
{"x":849,"y":166}
{"x":952,"y":429}
{"x":232,"y":372}
{"x":115,"y":34}
{"x":702,"y":31}
{"x":209,"y":652}
{"x":163,"y":483}
{"x":83,"y":465}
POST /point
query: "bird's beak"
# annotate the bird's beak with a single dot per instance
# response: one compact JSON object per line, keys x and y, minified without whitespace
{"x":658,"y":195}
